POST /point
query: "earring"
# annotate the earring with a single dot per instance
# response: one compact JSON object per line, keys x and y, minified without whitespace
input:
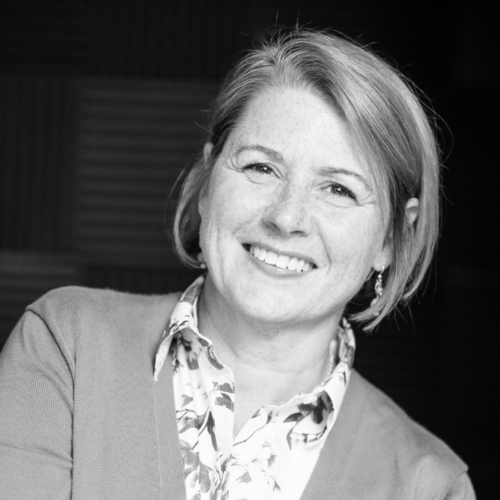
{"x":201,"y":260}
{"x":379,"y":288}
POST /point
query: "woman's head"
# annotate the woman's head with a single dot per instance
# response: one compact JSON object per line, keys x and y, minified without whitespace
{"x":382,"y":114}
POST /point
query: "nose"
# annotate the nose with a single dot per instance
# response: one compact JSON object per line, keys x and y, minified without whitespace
{"x":288,"y":214}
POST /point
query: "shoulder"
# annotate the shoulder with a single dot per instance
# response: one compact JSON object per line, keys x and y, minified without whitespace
{"x":76,"y":314}
{"x":82,"y":301}
{"x":389,"y":418}
{"x":390,"y":443}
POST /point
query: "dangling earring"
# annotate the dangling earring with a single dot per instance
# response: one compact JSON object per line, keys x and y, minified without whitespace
{"x":379,"y":288}
{"x":201,"y":260}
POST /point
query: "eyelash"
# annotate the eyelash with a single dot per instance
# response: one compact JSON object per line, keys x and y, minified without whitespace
{"x":258,"y":167}
{"x":255,"y":166}
{"x":346,"y":192}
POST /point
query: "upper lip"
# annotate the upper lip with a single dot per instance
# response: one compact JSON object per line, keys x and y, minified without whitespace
{"x":290,"y":254}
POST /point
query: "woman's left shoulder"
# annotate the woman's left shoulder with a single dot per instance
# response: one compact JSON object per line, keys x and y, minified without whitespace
{"x":394,"y":425}
{"x":393,"y":445}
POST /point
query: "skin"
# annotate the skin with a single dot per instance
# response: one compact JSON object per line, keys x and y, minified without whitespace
{"x":291,"y":179}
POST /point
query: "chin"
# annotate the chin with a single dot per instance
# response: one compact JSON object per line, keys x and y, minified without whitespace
{"x":269,"y":304}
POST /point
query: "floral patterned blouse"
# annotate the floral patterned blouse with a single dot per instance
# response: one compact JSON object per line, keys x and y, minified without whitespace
{"x":275,"y":452}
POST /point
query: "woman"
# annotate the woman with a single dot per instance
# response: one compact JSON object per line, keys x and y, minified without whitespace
{"x":320,"y":171}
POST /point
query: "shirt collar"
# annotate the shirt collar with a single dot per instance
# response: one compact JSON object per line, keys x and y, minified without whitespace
{"x":184,"y":316}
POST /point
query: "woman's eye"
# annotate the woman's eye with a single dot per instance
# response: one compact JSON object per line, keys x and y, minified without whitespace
{"x":339,"y":190}
{"x":262,"y":168}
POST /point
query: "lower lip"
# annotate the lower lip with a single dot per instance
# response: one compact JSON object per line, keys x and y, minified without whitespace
{"x":275,"y":271}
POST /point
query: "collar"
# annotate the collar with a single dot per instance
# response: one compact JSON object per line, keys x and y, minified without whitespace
{"x":184,"y":316}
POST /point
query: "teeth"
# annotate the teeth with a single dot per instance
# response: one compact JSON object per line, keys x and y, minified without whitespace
{"x":271,"y":258}
{"x":281,"y":261}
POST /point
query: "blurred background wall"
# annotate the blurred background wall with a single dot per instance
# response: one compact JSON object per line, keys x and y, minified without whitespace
{"x":102,"y":105}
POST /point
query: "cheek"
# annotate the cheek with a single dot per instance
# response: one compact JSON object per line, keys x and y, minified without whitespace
{"x":220,"y":212}
{"x":233,"y":203}
{"x":209,"y":205}
{"x":208,"y":215}
{"x":353,"y":244}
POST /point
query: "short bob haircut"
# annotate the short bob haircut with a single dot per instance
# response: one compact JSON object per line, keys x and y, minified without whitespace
{"x":394,"y":134}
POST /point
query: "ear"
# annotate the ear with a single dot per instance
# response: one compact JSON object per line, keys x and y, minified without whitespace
{"x":384,"y":259}
{"x":207,"y":149}
{"x":412,"y":209}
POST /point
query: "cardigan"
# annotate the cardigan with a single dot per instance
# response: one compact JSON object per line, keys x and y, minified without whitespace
{"x":82,"y":417}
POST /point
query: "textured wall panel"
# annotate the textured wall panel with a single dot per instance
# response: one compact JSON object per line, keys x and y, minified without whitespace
{"x":188,"y":39}
{"x":391,"y":26}
{"x":43,"y":35}
{"x":471,"y":336}
{"x":36,"y":164}
{"x":26,"y":276}
{"x":135,"y":137}
{"x":141,"y":280}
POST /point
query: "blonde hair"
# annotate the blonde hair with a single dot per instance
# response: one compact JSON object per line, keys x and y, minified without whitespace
{"x":384,"y":113}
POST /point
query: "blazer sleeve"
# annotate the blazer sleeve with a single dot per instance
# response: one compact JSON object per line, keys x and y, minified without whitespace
{"x":36,"y":408}
{"x":461,"y":489}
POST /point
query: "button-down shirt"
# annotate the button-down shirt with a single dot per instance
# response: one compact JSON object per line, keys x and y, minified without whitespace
{"x":274,"y":454}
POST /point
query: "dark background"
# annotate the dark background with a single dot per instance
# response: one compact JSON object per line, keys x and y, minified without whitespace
{"x":101,"y":106}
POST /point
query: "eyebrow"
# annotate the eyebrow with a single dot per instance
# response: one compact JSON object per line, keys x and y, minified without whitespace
{"x":257,"y":147}
{"x":325,"y":171}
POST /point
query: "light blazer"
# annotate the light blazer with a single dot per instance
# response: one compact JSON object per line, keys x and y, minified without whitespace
{"x":81,"y":416}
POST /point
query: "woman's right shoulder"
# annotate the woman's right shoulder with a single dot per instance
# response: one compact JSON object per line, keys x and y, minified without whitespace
{"x":73,"y":312}
{"x":95,"y":297}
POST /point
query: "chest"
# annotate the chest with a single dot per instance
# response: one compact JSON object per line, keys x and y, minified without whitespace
{"x":241,"y":444}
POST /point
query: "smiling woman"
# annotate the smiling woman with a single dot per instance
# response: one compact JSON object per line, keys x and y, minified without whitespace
{"x":291,"y":181}
{"x":387,"y":128}
{"x":319,"y":171}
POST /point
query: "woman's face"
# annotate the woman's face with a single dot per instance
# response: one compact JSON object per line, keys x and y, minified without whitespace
{"x":291,"y":226}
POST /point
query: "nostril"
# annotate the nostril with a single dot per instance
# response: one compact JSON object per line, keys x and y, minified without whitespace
{"x":288,"y":216}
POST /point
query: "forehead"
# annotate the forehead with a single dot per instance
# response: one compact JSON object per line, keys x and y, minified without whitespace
{"x":299,"y":125}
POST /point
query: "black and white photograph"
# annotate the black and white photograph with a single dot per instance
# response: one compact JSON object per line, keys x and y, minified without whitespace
{"x":247,"y":250}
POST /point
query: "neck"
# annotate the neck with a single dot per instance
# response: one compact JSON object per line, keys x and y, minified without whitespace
{"x":283,"y":358}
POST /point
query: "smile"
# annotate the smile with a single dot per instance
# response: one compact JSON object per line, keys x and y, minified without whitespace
{"x":280,"y":261}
